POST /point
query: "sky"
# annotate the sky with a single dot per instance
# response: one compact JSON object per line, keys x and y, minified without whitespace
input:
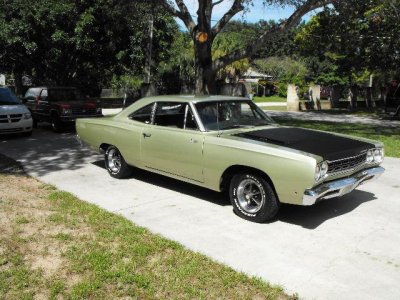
{"x":256,"y":13}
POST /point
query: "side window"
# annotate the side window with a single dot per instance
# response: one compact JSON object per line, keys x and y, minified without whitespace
{"x":170,"y":114}
{"x":190,"y":121}
{"x":143,"y":115}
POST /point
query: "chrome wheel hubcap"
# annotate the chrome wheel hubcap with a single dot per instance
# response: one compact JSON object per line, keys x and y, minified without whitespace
{"x":114,"y":160}
{"x":250,"y":196}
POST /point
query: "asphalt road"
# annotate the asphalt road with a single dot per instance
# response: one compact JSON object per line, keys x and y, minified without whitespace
{"x":345,"y":248}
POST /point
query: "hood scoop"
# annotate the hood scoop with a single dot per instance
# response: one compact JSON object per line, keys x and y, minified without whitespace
{"x":327,"y":145}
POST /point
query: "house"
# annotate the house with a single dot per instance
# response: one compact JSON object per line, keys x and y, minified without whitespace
{"x":254,"y":76}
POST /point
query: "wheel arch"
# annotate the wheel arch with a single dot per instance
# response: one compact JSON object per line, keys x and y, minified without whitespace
{"x":54,"y":113}
{"x":236,"y":169}
{"x":103,"y":147}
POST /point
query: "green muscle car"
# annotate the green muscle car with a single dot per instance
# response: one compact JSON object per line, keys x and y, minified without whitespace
{"x":229,"y":144}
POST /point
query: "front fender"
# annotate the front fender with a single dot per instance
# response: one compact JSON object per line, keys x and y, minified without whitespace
{"x":291,"y":172}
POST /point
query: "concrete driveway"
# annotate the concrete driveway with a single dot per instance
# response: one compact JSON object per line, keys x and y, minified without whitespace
{"x":346,"y":248}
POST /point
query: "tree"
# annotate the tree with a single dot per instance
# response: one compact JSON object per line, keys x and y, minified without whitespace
{"x":356,"y":38}
{"x":283,"y":69}
{"x":204,"y":34}
{"x":82,"y":43}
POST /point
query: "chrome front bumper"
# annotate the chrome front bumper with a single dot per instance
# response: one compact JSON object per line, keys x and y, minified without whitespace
{"x":340,"y":187}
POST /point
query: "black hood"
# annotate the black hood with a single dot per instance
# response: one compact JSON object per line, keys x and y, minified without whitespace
{"x":327,"y":145}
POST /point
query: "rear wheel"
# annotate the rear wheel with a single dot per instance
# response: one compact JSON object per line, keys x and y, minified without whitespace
{"x":115,"y":163}
{"x":253,"y":198}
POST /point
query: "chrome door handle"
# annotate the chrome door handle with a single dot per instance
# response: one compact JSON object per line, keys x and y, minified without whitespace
{"x":193,"y":141}
{"x":146,"y":135}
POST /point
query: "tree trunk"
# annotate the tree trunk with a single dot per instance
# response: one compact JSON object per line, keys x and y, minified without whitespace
{"x":353,"y":97}
{"x":18,"y":83}
{"x":205,"y":76}
{"x":335,"y":96}
{"x":368,"y":98}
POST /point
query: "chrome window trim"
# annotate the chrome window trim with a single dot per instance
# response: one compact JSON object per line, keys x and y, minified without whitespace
{"x":196,"y":116}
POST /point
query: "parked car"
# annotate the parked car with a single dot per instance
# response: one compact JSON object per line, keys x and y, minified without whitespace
{"x":60,"y":106}
{"x":14,"y":116}
{"x":229,"y":143}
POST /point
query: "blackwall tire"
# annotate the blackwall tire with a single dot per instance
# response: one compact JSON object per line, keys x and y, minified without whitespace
{"x":56,"y":124}
{"x":115,"y":163}
{"x":253,"y":198}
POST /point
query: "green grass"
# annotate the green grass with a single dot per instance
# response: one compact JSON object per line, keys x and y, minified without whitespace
{"x":104,"y":256}
{"x":274,"y":98}
{"x":373,"y":113}
{"x":389,"y":136}
{"x":274,"y":108}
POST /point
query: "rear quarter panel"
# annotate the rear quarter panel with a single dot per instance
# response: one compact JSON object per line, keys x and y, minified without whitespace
{"x":124,"y":135}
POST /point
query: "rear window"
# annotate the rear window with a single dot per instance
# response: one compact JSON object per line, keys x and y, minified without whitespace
{"x":63,"y":95}
{"x":7,"y":97}
{"x":33,"y":92}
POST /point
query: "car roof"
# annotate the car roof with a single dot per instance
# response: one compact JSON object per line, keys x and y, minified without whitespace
{"x":176,"y":98}
{"x":191,"y":98}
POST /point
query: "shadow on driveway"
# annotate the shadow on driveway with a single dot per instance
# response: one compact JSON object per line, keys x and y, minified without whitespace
{"x":310,"y":217}
{"x":47,"y":152}
{"x":176,"y":185}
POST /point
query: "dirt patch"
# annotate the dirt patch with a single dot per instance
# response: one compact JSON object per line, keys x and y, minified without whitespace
{"x":26,"y":227}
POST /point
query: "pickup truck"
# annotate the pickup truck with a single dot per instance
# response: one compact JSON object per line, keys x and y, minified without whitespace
{"x":60,"y":106}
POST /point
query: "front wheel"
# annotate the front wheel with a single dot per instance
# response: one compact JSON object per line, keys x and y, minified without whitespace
{"x":56,"y":124}
{"x":115,"y":163}
{"x":253,"y":198}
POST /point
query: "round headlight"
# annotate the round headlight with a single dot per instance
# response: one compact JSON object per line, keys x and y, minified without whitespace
{"x":370,"y":156}
{"x":378,"y":155}
{"x":67,"y":111}
{"x":27,"y":116}
{"x":324,"y":169}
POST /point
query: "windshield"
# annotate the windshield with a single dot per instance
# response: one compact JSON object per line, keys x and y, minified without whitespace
{"x":7,"y":97}
{"x":220,"y":115}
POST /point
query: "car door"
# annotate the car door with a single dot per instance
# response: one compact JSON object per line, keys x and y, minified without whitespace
{"x":30,"y":99}
{"x":173,"y":144}
{"x":43,"y":105}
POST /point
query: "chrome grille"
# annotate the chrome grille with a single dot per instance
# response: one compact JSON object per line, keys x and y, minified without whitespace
{"x":84,"y":111}
{"x":346,"y":164}
{"x":13,"y":118}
